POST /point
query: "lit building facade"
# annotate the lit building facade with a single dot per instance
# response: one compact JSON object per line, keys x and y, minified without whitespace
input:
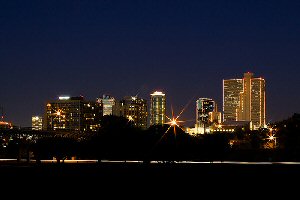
{"x":204,"y":106}
{"x":134,"y":109}
{"x":206,"y":114}
{"x":244,"y":100}
{"x":37,"y":123}
{"x":258,"y":102}
{"x":107,"y":102}
{"x":231,"y":98}
{"x":73,"y":114}
{"x":157,"y":108}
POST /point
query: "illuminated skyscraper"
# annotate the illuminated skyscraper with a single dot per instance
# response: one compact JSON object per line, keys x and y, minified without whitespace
{"x":206,"y":114}
{"x":37,"y":123}
{"x":107,"y":103}
{"x":134,"y":109}
{"x":72,"y":114}
{"x":158,"y":108}
{"x":232,"y":89}
{"x":258,"y":102}
{"x":204,"y":106}
{"x":206,"y":111}
{"x":244,"y":100}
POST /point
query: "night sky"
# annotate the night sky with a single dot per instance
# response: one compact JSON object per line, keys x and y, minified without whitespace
{"x":185,"y":48}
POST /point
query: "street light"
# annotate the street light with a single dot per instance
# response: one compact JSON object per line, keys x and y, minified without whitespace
{"x":272,"y":141}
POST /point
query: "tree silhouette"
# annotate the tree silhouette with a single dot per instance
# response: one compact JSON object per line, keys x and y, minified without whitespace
{"x":170,"y":144}
{"x":289,"y":137}
{"x":58,"y":147}
{"x":117,"y":139}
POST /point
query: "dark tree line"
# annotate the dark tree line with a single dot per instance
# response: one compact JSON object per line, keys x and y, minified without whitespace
{"x":119,"y":139}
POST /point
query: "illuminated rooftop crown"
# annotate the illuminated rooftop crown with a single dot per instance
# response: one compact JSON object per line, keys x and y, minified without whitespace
{"x":157,"y":93}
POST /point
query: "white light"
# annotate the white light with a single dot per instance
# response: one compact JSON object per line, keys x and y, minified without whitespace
{"x":63,"y":98}
{"x":157,"y":93}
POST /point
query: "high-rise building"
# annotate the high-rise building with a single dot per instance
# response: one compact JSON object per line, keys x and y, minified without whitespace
{"x":204,"y":109}
{"x":231,"y":98}
{"x":258,"y":102}
{"x":206,"y":114}
{"x":134,"y":109}
{"x":72,"y":114}
{"x":244,"y":100}
{"x":37,"y":123}
{"x":107,"y":102}
{"x":158,"y":108}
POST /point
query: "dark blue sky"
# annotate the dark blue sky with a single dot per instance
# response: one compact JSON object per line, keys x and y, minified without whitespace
{"x":185,"y":48}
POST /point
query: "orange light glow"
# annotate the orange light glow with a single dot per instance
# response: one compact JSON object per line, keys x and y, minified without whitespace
{"x":173,"y":122}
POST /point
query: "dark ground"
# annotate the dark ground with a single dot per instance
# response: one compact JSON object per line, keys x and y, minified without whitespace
{"x":134,"y":178}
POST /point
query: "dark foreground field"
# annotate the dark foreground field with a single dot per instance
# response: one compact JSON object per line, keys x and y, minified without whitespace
{"x":150,"y":178}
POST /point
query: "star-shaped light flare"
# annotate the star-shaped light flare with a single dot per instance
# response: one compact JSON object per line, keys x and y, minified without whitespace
{"x":173,"y":122}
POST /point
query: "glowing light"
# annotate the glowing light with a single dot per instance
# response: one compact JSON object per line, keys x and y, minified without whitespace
{"x":173,"y":122}
{"x":64,"y":98}
{"x":271,"y":139}
{"x":4,"y":123}
{"x":35,"y":118}
{"x":157,"y":93}
{"x":130,"y":118}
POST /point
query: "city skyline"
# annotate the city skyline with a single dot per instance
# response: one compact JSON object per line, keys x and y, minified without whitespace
{"x":193,"y":119}
{"x":126,"y":48}
{"x":243,"y":100}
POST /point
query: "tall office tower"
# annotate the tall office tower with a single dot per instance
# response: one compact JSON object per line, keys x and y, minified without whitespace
{"x":204,"y":108}
{"x":72,"y":114}
{"x":258,"y":102}
{"x":134,"y":109}
{"x":206,"y":114}
{"x":37,"y":123}
{"x":107,"y":103}
{"x":231,"y":98}
{"x":244,"y":100}
{"x":158,"y":108}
